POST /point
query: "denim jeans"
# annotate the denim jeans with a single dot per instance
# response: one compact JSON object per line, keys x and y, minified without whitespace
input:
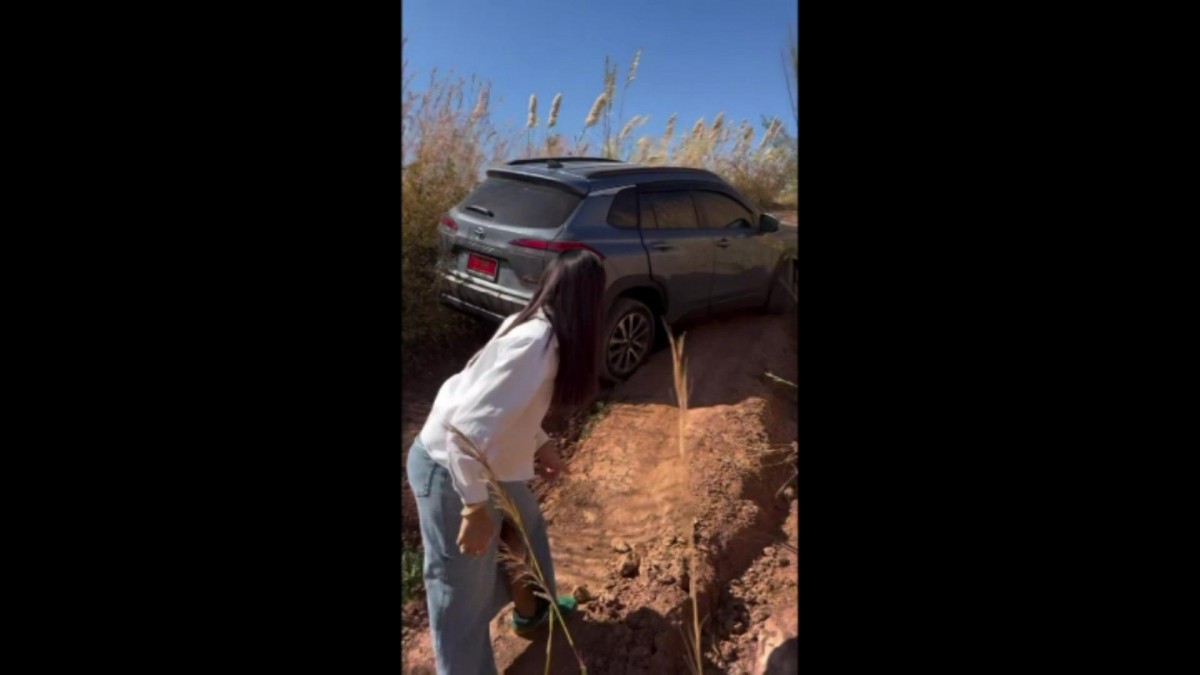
{"x":464,"y":593}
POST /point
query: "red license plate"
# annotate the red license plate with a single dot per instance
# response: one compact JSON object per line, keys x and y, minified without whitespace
{"x":481,"y":266}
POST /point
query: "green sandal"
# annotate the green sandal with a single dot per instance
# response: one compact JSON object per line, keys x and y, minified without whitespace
{"x":523,"y":626}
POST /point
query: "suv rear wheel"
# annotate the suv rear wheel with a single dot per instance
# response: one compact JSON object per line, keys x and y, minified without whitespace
{"x":628,"y":339}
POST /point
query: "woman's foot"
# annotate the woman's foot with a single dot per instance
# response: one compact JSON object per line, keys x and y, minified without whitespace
{"x":525,"y":626}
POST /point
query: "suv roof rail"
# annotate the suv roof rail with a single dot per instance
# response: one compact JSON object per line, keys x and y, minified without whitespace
{"x":633,"y":170}
{"x":547,"y":160}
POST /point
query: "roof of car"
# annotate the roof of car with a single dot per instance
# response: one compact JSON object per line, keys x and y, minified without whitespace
{"x":580,"y":171}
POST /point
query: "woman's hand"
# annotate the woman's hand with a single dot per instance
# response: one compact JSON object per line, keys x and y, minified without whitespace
{"x":476,"y":533}
{"x":549,"y":465}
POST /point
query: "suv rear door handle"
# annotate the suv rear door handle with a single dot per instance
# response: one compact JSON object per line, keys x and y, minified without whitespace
{"x":660,"y":246}
{"x":723,"y":242}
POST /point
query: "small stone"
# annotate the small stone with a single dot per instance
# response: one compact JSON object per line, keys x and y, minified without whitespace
{"x":789,"y":493}
{"x":769,"y":551}
{"x":666,"y":580}
{"x":583,"y":595}
{"x":629,"y":566}
{"x":738,"y":627}
{"x":620,"y":546}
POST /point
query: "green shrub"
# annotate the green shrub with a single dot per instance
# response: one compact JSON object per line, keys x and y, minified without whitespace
{"x":411,"y":570}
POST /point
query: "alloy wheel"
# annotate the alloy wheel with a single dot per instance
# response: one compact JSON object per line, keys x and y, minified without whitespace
{"x":629,"y":343}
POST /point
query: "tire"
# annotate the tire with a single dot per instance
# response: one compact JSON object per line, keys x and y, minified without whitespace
{"x":778,"y":297}
{"x":628,"y":339}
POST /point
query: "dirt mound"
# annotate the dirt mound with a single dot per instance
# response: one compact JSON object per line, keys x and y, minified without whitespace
{"x":619,"y":521}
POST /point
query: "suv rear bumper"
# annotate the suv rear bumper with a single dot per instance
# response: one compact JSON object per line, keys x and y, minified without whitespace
{"x":480,"y":298}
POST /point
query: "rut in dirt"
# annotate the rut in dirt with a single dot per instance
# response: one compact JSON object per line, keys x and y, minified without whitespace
{"x":628,"y":479}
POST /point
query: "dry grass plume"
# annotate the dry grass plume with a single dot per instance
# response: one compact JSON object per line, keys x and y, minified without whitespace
{"x":554,"y":106}
{"x":694,"y":652}
{"x":597,"y":108}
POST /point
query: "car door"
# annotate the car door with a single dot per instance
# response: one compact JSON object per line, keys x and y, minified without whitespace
{"x":680,"y":251}
{"x":741,"y":265}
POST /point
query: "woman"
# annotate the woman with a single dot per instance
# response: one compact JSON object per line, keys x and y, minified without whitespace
{"x":548,"y":353}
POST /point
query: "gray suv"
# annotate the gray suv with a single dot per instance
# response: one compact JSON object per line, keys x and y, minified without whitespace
{"x":676,"y":243}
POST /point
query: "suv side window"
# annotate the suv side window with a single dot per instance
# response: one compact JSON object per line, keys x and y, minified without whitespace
{"x":668,"y":211}
{"x":718,"y":211}
{"x":623,"y":213}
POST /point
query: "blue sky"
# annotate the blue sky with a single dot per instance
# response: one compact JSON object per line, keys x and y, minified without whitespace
{"x":699,"y":57}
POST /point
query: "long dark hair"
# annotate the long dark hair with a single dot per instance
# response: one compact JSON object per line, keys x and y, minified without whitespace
{"x":571,"y":295}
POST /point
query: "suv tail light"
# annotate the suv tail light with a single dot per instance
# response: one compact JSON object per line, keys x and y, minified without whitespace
{"x":556,"y":246}
{"x":448,"y":222}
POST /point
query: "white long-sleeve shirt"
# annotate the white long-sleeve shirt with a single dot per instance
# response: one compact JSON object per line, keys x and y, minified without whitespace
{"x":498,"y":401}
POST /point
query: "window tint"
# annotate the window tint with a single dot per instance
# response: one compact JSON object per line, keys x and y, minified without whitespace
{"x":719,"y":211}
{"x":649,"y":222}
{"x":522,"y":203}
{"x":671,"y":210}
{"x":624,"y":210}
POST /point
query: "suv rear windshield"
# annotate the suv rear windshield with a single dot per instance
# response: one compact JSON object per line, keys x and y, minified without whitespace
{"x":522,"y":203}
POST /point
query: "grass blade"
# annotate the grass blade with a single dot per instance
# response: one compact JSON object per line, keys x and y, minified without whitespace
{"x":679,"y":367}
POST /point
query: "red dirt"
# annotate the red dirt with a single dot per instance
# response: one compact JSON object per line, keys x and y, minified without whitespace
{"x":627,"y":482}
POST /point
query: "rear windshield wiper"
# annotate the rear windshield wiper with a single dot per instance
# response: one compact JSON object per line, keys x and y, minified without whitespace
{"x":482,"y":210}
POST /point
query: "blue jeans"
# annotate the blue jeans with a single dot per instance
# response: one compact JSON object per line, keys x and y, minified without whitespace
{"x":464,"y":593}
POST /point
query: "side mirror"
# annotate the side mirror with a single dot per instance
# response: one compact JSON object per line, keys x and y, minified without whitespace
{"x":768,"y":223}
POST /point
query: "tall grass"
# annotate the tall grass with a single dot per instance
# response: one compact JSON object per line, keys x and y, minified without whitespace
{"x":448,"y":137}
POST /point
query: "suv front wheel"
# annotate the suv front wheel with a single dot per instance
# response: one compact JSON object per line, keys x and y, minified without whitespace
{"x":628,"y":339}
